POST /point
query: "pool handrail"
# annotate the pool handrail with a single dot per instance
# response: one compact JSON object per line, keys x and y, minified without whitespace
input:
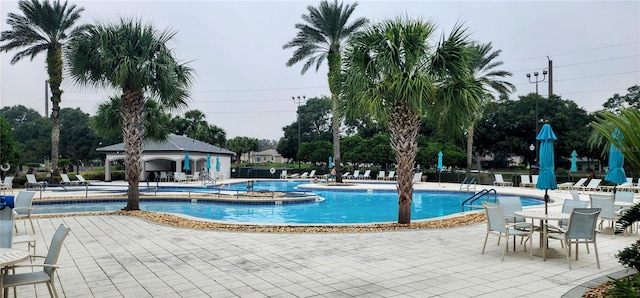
{"x":479,"y":195}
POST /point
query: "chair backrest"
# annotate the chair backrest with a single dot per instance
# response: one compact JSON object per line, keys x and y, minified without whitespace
{"x":367,"y":173}
{"x":55,"y":247}
{"x":605,"y":203}
{"x":31,"y":178}
{"x":346,"y":174}
{"x":305,"y":174}
{"x":6,"y":214}
{"x":582,"y":223}
{"x":283,"y":174}
{"x":392,"y":174}
{"x":569,"y":205}
{"x":23,"y":202}
{"x":313,"y":173}
{"x":163,"y":175}
{"x":65,"y":178}
{"x":524,"y":179}
{"x":628,"y":183}
{"x":580,"y":182}
{"x":381,"y":174}
{"x":624,"y":196}
{"x":417,"y":177}
{"x":81,"y":179}
{"x":196,"y":175}
{"x":356,"y":173}
{"x":8,"y":181}
{"x":574,"y":194}
{"x":509,"y":206}
{"x":534,"y":179}
{"x":594,"y":183}
{"x":6,"y":231}
{"x":499,"y":177}
{"x":495,"y":217}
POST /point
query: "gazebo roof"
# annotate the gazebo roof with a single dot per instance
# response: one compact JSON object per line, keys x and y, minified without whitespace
{"x":173,"y":143}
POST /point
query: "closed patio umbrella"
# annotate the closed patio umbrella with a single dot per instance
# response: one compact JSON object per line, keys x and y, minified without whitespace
{"x":208,"y":166}
{"x":574,"y":162}
{"x":330,"y":162}
{"x":616,"y":173}
{"x":439,"y":166}
{"x":186,"y":165}
{"x":217,"y":163}
{"x":546,"y":175}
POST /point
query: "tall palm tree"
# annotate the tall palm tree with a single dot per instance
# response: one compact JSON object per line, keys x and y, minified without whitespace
{"x":134,"y":58}
{"x":484,"y":72}
{"x":44,"y":27}
{"x":322,"y":36}
{"x":396,"y":73}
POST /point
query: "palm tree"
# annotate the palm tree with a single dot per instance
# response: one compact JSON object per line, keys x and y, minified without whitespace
{"x":322,"y":36}
{"x":395,"y":73}
{"x":484,"y":72}
{"x":241,"y":145}
{"x":627,"y":121}
{"x":44,"y":27}
{"x":134,"y":58}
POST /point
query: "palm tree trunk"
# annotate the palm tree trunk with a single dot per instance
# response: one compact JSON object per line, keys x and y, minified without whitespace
{"x":132,"y":111}
{"x":404,"y":127}
{"x":54,"y":70}
{"x":470,"y":132}
{"x":334,"y":86}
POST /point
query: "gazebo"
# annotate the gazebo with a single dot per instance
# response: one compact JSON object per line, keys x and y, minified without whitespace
{"x":169,"y":156}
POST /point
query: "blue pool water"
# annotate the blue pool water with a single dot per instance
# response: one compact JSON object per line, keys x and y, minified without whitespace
{"x":339,"y":206}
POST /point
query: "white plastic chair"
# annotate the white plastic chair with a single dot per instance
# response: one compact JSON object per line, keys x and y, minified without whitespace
{"x":7,"y":185}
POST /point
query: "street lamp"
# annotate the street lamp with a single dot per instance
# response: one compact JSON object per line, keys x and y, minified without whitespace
{"x":536,"y":81}
{"x":299,"y":100}
{"x":531,"y":148}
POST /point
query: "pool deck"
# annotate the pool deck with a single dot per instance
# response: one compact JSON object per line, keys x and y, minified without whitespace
{"x":126,"y":256}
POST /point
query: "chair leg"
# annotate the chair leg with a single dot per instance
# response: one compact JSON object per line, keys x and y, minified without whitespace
{"x":504,"y":251}
{"x":485,"y":242}
{"x":595,"y":249}
{"x":33,"y":229}
{"x":568,"y":248}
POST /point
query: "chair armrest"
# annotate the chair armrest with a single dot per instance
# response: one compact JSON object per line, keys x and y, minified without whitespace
{"x":518,"y":225}
{"x":35,"y":265}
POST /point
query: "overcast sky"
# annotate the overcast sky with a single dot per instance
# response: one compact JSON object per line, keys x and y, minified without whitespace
{"x":243,"y":85}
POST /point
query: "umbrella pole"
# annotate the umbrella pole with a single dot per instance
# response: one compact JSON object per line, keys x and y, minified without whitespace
{"x":546,"y":201}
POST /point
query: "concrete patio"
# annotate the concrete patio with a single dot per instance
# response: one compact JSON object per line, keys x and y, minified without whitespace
{"x":125,"y":256}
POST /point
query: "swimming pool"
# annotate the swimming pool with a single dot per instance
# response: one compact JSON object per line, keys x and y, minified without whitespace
{"x":339,"y":207}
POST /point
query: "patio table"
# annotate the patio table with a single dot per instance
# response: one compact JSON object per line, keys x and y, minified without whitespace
{"x":544,"y":218}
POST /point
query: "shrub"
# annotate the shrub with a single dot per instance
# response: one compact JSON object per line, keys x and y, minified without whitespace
{"x":630,"y":256}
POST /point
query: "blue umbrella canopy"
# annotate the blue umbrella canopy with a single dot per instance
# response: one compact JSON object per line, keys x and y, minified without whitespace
{"x":547,"y":175}
{"x":186,"y":166}
{"x":440,"y":161}
{"x":208,"y":166}
{"x":218,"y":163}
{"x":330,"y":162}
{"x":574,"y":162}
{"x":616,"y":172}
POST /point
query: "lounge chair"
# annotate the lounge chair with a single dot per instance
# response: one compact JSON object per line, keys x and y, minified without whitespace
{"x":497,"y":225}
{"x":195,"y":177}
{"x":304,"y":175}
{"x":33,"y":183}
{"x":294,"y":175}
{"x":81,"y":180}
{"x":164,"y":176}
{"x":500,"y":181}
{"x":346,"y":175}
{"x":524,"y":181}
{"x":7,"y":185}
{"x":381,"y":176}
{"x":366,"y":175}
{"x":48,"y":269}
{"x":312,"y":174}
{"x":66,"y":181}
{"x":534,"y":180}
{"x":581,"y":229}
{"x":355,"y":175}
{"x":417,"y":177}
{"x":593,"y":185}
{"x":624,"y":186}
{"x":283,"y":174}
{"x":392,"y":175}
{"x":576,"y":185}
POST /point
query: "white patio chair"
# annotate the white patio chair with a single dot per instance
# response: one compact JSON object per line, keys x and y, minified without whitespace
{"x":392,"y":175}
{"x":499,"y":181}
{"x":46,"y":275}
{"x":496,"y":225}
{"x":581,"y":229}
{"x":366,"y":175}
{"x":579,"y":184}
{"x":7,"y":185}
{"x":305,"y":175}
{"x":163,"y":176}
{"x":22,"y":208}
{"x":81,"y":180}
{"x":593,"y":185}
{"x":355,"y":175}
{"x":524,"y":181}
{"x":32,"y":182}
{"x":381,"y":176}
{"x":312,"y":174}
{"x":283,"y":174}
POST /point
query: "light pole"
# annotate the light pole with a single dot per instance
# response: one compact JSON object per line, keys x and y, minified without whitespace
{"x":536,"y":81}
{"x":299,"y":100}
